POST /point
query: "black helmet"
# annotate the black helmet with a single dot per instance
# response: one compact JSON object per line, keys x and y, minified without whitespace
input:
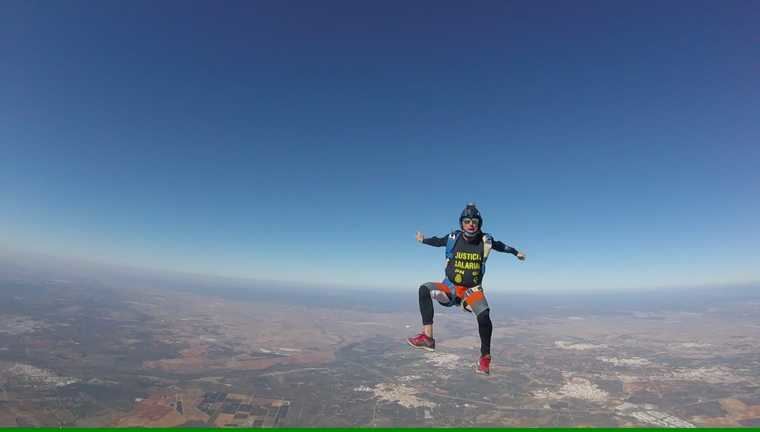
{"x":471,"y":212}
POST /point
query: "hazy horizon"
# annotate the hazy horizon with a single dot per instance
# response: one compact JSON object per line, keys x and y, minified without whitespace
{"x":64,"y":273}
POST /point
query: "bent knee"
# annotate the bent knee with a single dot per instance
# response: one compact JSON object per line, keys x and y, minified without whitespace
{"x":427,"y":288}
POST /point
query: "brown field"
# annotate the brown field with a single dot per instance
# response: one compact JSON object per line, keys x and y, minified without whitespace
{"x":157,"y":410}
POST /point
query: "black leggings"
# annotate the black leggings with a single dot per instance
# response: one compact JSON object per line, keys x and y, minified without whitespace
{"x":485,"y":327}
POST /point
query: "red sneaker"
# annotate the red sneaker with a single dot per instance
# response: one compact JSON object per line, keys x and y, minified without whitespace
{"x":484,"y":366}
{"x":422,"y":341}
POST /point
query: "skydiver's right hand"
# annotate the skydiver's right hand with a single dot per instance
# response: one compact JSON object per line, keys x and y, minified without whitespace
{"x":420,"y":237}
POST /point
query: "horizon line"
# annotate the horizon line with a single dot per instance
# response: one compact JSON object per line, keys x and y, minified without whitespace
{"x":148,"y":270}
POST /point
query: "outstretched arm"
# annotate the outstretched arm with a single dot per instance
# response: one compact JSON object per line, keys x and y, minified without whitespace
{"x":501,"y":247}
{"x":432,"y":241}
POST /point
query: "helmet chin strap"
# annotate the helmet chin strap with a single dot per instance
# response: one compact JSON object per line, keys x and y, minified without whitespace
{"x":470,"y":235}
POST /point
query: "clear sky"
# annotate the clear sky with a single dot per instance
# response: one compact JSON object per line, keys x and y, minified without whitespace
{"x":616,"y":143}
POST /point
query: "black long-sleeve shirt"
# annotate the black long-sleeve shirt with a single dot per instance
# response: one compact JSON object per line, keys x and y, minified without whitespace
{"x":466,"y":267}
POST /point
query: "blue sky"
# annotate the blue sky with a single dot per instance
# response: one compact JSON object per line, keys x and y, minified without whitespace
{"x":616,"y":144}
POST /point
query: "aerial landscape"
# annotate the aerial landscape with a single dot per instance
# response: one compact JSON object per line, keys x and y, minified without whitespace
{"x":274,"y":214}
{"x":77,"y":352}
